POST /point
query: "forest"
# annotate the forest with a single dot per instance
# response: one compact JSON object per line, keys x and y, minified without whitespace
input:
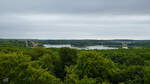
{"x":38,"y":65}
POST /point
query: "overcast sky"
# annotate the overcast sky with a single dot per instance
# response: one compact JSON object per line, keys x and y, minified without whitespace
{"x":75,"y":19}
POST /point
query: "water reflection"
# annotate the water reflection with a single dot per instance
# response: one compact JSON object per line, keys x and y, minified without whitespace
{"x":100,"y":47}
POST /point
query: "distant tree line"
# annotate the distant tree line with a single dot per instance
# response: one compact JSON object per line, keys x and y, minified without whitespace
{"x":76,"y":43}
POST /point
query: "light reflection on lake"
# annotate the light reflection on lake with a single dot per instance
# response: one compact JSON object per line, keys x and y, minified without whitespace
{"x":99,"y":47}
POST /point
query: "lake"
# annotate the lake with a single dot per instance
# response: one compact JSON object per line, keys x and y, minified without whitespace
{"x":99,"y":47}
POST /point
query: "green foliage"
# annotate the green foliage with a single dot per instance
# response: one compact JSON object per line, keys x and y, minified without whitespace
{"x":36,"y":53}
{"x":94,"y":65}
{"x":147,"y":75}
{"x":47,"y":62}
{"x":132,"y":75}
{"x":68,"y":56}
{"x":71,"y":66}
{"x":9,"y":64}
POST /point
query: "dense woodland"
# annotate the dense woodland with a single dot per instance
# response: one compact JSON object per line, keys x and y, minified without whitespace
{"x":28,"y":65}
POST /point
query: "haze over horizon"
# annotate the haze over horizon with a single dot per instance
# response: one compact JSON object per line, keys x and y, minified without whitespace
{"x":75,"y":19}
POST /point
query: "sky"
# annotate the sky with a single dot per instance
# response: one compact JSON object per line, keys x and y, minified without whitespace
{"x":75,"y":19}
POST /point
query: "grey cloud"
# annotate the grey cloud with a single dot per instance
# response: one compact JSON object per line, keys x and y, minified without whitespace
{"x":74,"y":26}
{"x":75,"y":19}
{"x":76,"y":6}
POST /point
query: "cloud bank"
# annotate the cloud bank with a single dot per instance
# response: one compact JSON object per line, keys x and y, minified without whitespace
{"x":75,"y":19}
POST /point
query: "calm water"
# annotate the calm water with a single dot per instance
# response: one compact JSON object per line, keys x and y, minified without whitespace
{"x":100,"y":47}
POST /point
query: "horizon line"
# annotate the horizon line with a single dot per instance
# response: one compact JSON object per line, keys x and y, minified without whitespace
{"x":65,"y":39}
